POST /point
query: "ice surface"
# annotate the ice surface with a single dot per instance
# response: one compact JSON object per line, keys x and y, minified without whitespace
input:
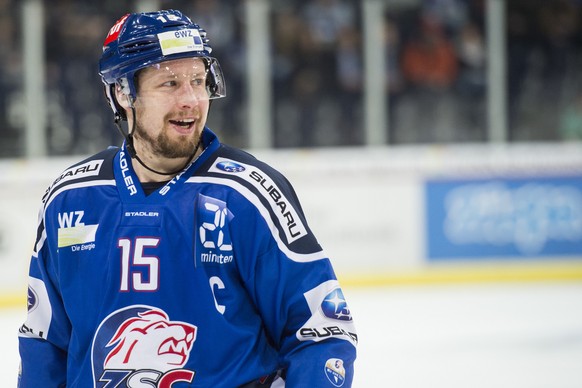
{"x":451,"y":336}
{"x":443,"y":336}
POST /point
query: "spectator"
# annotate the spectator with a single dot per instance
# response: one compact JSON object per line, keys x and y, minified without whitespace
{"x":287,"y":29}
{"x":349,"y":70}
{"x":558,"y":24}
{"x":325,"y":21}
{"x":395,"y":84}
{"x":10,"y":81}
{"x":452,"y":14}
{"x":429,"y":60}
{"x":430,"y":67}
{"x":472,"y":81}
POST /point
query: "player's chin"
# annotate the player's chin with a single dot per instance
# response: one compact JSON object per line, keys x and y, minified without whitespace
{"x":182,"y":148}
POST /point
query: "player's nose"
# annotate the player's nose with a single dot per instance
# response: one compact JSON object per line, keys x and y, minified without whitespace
{"x":190,"y":96}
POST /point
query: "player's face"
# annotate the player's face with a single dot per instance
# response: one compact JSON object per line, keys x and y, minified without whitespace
{"x":171,"y":106}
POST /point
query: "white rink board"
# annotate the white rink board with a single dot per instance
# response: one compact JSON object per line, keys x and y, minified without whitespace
{"x":22,"y":184}
{"x":365,"y":205}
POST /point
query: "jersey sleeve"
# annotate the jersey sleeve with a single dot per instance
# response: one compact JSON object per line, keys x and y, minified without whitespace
{"x":293,"y":285}
{"x":309,"y":319}
{"x":44,"y":337}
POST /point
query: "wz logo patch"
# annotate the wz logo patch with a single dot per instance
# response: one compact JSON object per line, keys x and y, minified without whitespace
{"x":74,"y":233}
{"x":141,"y":344}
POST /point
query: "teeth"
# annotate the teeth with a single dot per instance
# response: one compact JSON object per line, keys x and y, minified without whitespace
{"x":183,"y":123}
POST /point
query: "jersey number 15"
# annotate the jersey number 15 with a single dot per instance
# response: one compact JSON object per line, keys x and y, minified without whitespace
{"x":138,"y":271}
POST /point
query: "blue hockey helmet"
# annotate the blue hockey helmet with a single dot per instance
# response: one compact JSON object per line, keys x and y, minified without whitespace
{"x":139,"y":40}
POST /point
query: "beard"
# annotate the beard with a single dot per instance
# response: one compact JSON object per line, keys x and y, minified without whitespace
{"x":163,"y":145}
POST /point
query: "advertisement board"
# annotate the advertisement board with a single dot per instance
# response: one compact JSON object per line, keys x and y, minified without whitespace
{"x":504,"y":217}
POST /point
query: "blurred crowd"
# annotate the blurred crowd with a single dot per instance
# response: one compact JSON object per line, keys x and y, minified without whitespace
{"x":436,"y":71}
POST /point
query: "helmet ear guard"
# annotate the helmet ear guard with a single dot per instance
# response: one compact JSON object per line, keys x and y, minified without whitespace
{"x":110,"y":91}
{"x":123,"y":86}
{"x":118,"y":111}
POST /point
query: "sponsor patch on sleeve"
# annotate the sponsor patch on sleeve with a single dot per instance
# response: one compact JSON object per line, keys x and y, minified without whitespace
{"x":330,"y":315}
{"x":335,"y":371}
{"x":84,"y":170}
{"x":39,"y":311}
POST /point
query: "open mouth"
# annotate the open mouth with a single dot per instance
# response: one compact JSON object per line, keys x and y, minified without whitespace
{"x":186,"y":124}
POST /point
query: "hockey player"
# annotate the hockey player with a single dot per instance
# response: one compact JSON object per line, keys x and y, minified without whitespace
{"x":175,"y":260}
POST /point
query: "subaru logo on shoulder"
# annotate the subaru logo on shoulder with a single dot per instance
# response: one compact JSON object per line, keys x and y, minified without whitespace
{"x":230,"y":166}
{"x":334,"y":306}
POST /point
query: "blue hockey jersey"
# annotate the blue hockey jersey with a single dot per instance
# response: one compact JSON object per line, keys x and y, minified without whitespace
{"x":213,"y":280}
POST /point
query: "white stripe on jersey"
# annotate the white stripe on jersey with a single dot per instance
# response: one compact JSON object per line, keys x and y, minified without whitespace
{"x":254,"y":199}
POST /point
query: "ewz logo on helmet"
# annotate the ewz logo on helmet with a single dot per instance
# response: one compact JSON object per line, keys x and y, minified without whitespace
{"x":174,"y":42}
{"x":184,"y":33}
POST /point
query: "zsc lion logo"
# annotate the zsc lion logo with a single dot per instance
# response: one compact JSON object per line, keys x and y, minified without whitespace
{"x":140,"y":342}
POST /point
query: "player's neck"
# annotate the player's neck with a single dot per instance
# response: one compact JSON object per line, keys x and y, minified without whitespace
{"x":151,"y":167}
{"x":163,"y":165}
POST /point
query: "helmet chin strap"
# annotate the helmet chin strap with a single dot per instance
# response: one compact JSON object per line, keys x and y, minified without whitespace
{"x":133,"y":153}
